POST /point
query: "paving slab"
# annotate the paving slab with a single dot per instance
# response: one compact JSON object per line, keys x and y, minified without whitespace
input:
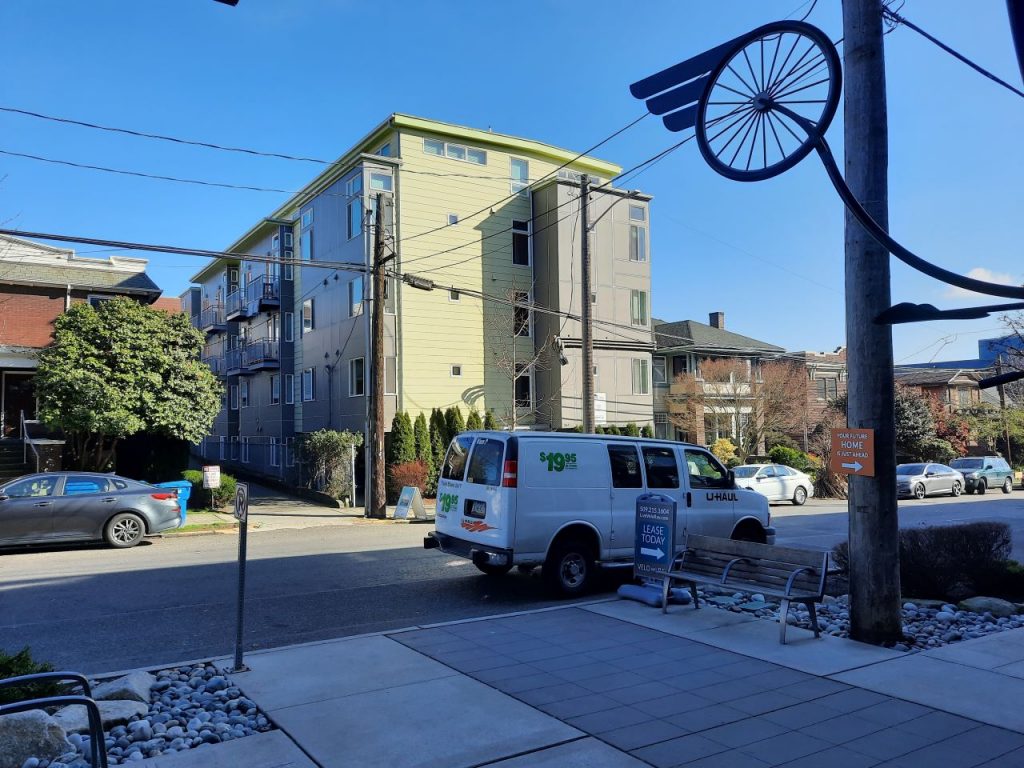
{"x":681,"y":621}
{"x":1002,"y":650}
{"x":972,"y":692}
{"x":584,"y":753}
{"x":399,"y":726}
{"x":263,"y":750}
{"x":305,"y":674}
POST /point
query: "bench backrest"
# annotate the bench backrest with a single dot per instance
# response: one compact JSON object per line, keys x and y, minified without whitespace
{"x":770,"y":566}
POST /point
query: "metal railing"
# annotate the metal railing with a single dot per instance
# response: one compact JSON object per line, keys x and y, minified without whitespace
{"x":233,"y":359}
{"x":26,"y":443}
{"x":212,"y":316}
{"x":261,"y":351}
{"x":214,"y":362}
{"x":263,"y":288}
{"x":234,"y":302}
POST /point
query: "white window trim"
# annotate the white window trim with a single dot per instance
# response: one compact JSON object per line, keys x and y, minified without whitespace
{"x":529,"y":242}
{"x":101,"y":297}
{"x":351,"y":233}
{"x":355,"y":309}
{"x":386,"y":390}
{"x":233,"y":397}
{"x":643,"y":213}
{"x":452,"y":373}
{"x":453,"y":219}
{"x":647,"y":306}
{"x":529,"y":316}
{"x":289,"y":388}
{"x":466,"y":148}
{"x":289,"y":326}
{"x":525,"y":190}
{"x":244,"y":399}
{"x":380,"y":175}
{"x":352,"y":380}
{"x":312,"y":316}
{"x":275,"y":456}
{"x":454,"y":296}
{"x":275,"y":400}
{"x":664,"y":363}
{"x":245,"y":450}
{"x":288,"y":239}
{"x":312,"y":385}
{"x":221,"y":444}
{"x":642,"y":229}
{"x":638,"y":362}
{"x":527,"y":371}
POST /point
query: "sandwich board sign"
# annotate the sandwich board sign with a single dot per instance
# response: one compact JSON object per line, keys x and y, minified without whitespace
{"x":410,"y":501}
{"x":654,"y":542}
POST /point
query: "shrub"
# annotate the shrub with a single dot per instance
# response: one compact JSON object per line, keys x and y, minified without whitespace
{"x":948,"y":562}
{"x":327,"y":460}
{"x":791,"y":457}
{"x":401,"y":443}
{"x":631,"y":429}
{"x":410,"y":473}
{"x":473,"y":421}
{"x":454,"y":422}
{"x":22,"y":663}
{"x":724,"y":449}
{"x":200,"y":496}
{"x":646,"y":431}
{"x":490,"y":422}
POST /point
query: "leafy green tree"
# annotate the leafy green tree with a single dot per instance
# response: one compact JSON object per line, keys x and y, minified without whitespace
{"x":473,"y":421}
{"x":646,"y":431}
{"x":438,"y":436}
{"x":454,"y":421}
{"x":402,"y":443}
{"x":490,"y":422}
{"x":724,"y":449}
{"x":122,"y":369}
{"x":421,"y":436}
{"x":327,"y":460}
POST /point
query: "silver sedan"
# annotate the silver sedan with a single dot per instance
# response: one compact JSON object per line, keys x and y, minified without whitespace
{"x":84,"y":506}
{"x":920,"y":480}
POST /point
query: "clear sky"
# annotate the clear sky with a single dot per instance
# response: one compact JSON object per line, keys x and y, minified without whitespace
{"x":310,"y":77}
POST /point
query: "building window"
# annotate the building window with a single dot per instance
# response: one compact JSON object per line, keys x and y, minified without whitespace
{"x":95,"y":300}
{"x":308,"y":320}
{"x":521,"y":314}
{"x":354,"y":185}
{"x":355,"y":218}
{"x":245,"y":450}
{"x":356,"y":382}
{"x":641,"y":377}
{"x":385,"y":151}
{"x":637,"y":213}
{"x":828,"y":388}
{"x":661,"y":430}
{"x":477,"y":156}
{"x":233,"y":446}
{"x":456,"y":370}
{"x":289,"y":268}
{"x":521,"y":243}
{"x":289,"y":326}
{"x":453,"y":218}
{"x":275,"y":389}
{"x":307,"y":218}
{"x":963,"y":396}
{"x":309,"y":385}
{"x":454,"y":295}
{"x":233,"y":398}
{"x":275,"y":456}
{"x":306,"y":245}
{"x":390,"y":375}
{"x":391,"y":296}
{"x":355,"y":297}
{"x":637,"y":243}
{"x":520,"y":173}
{"x":523,"y":387}
{"x":455,"y":151}
{"x":659,"y":369}
{"x":380,"y":182}
{"x":289,"y":451}
{"x":433,"y":147}
{"x":288,"y":239}
{"x":638,"y":308}
{"x":243,"y":393}
{"x":220,"y":447}
{"x":289,"y":388}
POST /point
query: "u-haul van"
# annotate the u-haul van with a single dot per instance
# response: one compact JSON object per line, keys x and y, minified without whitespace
{"x":567,"y":501}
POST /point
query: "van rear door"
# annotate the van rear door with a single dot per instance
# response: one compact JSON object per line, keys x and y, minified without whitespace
{"x":477,"y":507}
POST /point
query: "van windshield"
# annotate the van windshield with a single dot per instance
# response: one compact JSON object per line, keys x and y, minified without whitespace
{"x":455,"y":462}
{"x":485,"y":464}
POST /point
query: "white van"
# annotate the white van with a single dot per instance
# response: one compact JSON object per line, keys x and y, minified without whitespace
{"x":567,"y":501}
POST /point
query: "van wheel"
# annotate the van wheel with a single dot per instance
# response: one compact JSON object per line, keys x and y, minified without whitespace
{"x":1008,"y":486}
{"x":748,"y":531}
{"x":493,"y":570}
{"x":569,"y":569}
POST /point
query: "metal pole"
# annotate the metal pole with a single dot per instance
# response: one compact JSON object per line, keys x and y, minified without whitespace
{"x":873,"y":521}
{"x":243,"y":528}
{"x":378,"y":500}
{"x":1002,"y":412}
{"x":586,"y":313}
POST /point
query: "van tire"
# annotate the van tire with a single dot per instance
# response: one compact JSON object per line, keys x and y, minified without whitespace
{"x":748,"y":530}
{"x":569,"y":569}
{"x":493,"y":570}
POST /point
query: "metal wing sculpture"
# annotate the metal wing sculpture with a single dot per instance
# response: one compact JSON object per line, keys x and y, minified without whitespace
{"x":759,"y":104}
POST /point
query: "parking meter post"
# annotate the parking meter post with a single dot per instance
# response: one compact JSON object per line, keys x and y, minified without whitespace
{"x":242,"y":515}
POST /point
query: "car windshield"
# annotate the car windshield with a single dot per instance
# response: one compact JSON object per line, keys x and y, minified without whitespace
{"x":745,"y":471}
{"x":967,"y":464}
{"x":910,"y":469}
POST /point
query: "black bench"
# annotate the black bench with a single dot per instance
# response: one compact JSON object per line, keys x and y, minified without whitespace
{"x":791,"y":575}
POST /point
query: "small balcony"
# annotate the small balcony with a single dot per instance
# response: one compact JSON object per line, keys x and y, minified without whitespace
{"x":235,"y":308}
{"x":263,"y":293}
{"x":233,"y":362}
{"x":215,"y":363}
{"x":211,"y":319}
{"x":262,"y":354}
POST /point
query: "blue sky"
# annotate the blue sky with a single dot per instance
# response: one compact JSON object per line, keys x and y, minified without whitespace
{"x":310,"y":77}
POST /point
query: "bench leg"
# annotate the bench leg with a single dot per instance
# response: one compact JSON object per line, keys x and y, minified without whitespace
{"x":664,"y":594}
{"x":814,"y":618}
{"x":783,"y":615}
{"x":693,"y":594}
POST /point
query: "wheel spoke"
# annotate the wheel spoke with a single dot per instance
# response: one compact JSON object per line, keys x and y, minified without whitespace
{"x":742,"y":141}
{"x":796,"y":41}
{"x":799,"y":101}
{"x":761,"y":41}
{"x":751,"y":91}
{"x":743,"y":116}
{"x":753,"y":75}
{"x":753,"y":140}
{"x":799,"y":65}
{"x":771,"y":69}
{"x":771,"y":124}
{"x":747,"y":96}
{"x":807,"y":73}
{"x":747,"y":102}
{"x":736,"y":133}
{"x":805,"y":87}
{"x":782,"y":122}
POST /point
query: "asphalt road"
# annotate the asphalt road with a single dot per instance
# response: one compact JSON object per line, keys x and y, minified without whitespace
{"x":96,"y":610}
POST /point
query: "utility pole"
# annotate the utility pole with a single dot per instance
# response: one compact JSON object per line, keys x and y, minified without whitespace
{"x":1002,"y":411}
{"x":376,"y":494}
{"x":587,"y":311}
{"x":873,"y":520}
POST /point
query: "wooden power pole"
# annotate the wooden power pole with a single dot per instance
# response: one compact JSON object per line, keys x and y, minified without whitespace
{"x":587,"y":309}
{"x":873,"y":521}
{"x":377,"y":495}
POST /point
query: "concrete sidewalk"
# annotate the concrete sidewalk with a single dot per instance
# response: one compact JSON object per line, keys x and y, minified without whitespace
{"x":617,"y":684}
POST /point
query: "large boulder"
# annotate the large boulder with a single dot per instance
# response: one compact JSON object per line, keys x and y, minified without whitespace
{"x":995,"y":606}
{"x":134,"y":687}
{"x":75,"y":718}
{"x":31,"y":734}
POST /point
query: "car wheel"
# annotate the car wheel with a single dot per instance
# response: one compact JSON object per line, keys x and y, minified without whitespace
{"x":957,"y":488}
{"x":124,"y":530}
{"x":982,"y":487}
{"x":800,"y":496}
{"x":919,"y":492}
{"x":1008,"y":486}
{"x":569,"y":569}
{"x":493,"y":570}
{"x":969,"y":491}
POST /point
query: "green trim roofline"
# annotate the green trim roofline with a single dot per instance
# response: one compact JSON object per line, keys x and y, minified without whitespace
{"x":399,"y":121}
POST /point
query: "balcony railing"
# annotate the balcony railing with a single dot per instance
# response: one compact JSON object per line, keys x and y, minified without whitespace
{"x":211,"y":319}
{"x":235,"y":305}
{"x":233,"y":361}
{"x":215,"y":362}
{"x":263,"y":290}
{"x":262,"y":353}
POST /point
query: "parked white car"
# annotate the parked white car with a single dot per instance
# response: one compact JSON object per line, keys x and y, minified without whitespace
{"x":567,"y":501}
{"x":776,"y":482}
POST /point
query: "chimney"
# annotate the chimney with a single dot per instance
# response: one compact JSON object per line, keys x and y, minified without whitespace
{"x":717,"y":320}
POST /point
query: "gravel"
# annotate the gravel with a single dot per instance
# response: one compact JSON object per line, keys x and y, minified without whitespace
{"x":924,"y":626}
{"x":189,"y":707}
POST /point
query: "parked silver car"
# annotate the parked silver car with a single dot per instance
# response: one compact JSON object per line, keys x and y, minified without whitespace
{"x":920,"y":480}
{"x":84,"y":506}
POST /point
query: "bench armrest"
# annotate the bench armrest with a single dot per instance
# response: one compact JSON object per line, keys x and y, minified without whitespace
{"x":793,"y":575}
{"x":731,"y":563}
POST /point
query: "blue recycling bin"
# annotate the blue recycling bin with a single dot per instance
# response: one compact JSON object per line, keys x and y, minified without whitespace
{"x":184,"y":489}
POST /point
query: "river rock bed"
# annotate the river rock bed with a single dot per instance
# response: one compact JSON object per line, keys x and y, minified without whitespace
{"x":926,"y":623}
{"x":189,"y":707}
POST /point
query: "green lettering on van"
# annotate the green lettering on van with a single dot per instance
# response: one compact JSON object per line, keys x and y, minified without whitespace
{"x":557,"y":461}
{"x":447,"y":502}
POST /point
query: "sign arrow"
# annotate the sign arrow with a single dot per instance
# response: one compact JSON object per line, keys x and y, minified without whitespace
{"x":855,"y":466}
{"x":652,"y":553}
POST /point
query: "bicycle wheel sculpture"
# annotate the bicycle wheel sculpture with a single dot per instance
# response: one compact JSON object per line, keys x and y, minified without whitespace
{"x":759,"y":104}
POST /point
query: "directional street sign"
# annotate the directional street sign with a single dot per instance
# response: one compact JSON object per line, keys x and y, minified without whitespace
{"x":853,"y":452}
{"x":655,"y":535}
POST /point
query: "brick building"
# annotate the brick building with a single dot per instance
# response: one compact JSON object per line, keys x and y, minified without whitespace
{"x":37,"y":283}
{"x":826,"y":380}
